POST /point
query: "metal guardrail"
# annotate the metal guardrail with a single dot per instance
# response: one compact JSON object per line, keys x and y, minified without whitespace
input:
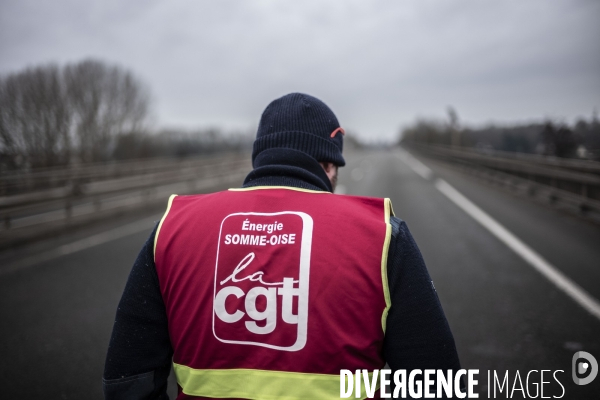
{"x":588,"y":166}
{"x":102,"y":182}
{"x":33,"y":214}
{"x":574,"y":183}
{"x":20,"y":182}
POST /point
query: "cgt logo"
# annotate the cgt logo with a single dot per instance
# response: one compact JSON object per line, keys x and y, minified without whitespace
{"x":584,"y":363}
{"x":261,"y":280}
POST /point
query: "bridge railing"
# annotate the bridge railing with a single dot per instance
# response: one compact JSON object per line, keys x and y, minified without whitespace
{"x":71,"y":197}
{"x":574,"y":184}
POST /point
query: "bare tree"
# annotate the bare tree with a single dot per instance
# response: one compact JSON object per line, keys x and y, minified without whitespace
{"x":34,"y":118}
{"x":453,"y":127}
{"x":49,"y":114}
{"x":106,"y":101}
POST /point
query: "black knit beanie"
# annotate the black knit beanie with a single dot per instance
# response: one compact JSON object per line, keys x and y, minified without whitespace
{"x":304,"y":123}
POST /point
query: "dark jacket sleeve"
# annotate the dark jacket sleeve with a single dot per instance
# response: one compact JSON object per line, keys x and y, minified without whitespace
{"x":417,"y":333}
{"x":139,"y":355}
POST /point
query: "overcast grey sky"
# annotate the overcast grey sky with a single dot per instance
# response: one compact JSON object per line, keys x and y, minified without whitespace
{"x":377,"y":64}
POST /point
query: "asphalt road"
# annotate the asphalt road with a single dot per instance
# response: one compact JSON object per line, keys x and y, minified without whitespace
{"x":58,"y":298}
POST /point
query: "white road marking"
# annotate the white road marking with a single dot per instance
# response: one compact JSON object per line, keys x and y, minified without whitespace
{"x":549,"y":271}
{"x":414,"y":164}
{"x":104,"y":237}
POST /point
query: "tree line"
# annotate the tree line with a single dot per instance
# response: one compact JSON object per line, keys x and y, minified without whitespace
{"x":86,"y":112}
{"x":52,"y":116}
{"x":550,"y":138}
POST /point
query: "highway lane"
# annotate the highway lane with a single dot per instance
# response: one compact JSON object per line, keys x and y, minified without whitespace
{"x":57,"y":314}
{"x":57,"y":318}
{"x":504,"y":314}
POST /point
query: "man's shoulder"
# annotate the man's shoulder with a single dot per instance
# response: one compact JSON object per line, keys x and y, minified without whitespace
{"x":396,"y":223}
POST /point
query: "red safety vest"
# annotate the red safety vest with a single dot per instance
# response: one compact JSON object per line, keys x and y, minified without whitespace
{"x":271,"y":291}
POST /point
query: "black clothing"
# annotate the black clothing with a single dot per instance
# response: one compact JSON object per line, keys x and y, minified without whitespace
{"x":417,"y":333}
{"x":301,"y":122}
{"x":287,"y":167}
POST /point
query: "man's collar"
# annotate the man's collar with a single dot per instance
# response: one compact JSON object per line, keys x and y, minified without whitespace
{"x":287,"y":167}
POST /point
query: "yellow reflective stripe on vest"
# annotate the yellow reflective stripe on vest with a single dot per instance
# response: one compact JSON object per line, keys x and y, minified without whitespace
{"x":169,"y":204}
{"x":258,"y":384}
{"x":388,"y":212}
{"x":247,"y":189}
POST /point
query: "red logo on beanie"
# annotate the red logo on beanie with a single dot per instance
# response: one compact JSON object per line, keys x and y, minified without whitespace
{"x":340,"y":129}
